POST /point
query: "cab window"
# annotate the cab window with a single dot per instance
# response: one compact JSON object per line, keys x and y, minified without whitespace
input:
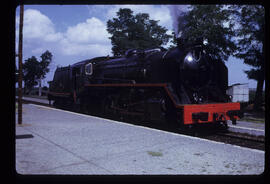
{"x":88,"y":69}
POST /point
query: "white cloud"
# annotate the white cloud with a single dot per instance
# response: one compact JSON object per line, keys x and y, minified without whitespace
{"x":53,"y":37}
{"x":91,"y":31}
{"x":38,"y":50}
{"x":88,"y":38}
{"x":85,"y":49}
{"x":39,"y":26}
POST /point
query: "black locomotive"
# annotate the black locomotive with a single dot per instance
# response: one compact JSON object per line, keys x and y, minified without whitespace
{"x":183,"y":85}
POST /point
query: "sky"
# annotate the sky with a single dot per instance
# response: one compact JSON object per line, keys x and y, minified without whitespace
{"x":77,"y":32}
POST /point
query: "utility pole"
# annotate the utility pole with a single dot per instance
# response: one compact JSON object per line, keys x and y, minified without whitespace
{"x":20,"y":66}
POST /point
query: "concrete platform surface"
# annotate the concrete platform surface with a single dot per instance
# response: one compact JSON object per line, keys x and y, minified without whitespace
{"x":251,"y":128}
{"x":70,"y":143}
{"x":40,"y":100}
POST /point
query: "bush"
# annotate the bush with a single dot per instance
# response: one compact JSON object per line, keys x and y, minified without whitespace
{"x":252,"y":94}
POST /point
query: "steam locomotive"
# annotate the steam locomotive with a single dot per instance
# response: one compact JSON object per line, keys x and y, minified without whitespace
{"x":182,"y":86}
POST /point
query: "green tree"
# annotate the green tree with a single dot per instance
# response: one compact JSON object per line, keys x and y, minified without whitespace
{"x":135,"y":31}
{"x":212,"y":23}
{"x":46,"y":59}
{"x":30,"y":68}
{"x":250,"y":40}
{"x":34,"y":71}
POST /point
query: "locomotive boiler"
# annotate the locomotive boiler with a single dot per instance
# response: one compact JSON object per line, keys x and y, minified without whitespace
{"x":182,"y":86}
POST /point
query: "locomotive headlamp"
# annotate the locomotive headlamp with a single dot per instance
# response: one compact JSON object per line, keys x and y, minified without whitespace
{"x":189,"y":58}
{"x":205,"y":41}
{"x":192,"y":56}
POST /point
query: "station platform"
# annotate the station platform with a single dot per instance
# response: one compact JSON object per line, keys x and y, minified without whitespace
{"x":32,"y":99}
{"x":53,"y":141}
{"x":257,"y":129}
{"x":252,"y":128}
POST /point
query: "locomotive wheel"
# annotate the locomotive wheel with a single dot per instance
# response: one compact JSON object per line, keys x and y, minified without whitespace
{"x":76,"y":107}
{"x":224,"y":125}
{"x":169,"y":111}
{"x":55,"y":103}
{"x":107,"y":105}
{"x":58,"y":103}
{"x":85,"y":107}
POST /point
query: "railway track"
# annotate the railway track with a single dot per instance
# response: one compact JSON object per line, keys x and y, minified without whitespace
{"x":243,"y":136}
{"x":240,"y":139}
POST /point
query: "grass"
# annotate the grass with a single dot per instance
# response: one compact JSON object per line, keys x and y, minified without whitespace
{"x":254,"y":120}
{"x":16,"y":108}
{"x":155,"y":154}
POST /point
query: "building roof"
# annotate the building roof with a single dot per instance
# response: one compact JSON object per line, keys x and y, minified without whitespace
{"x":237,"y":84}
